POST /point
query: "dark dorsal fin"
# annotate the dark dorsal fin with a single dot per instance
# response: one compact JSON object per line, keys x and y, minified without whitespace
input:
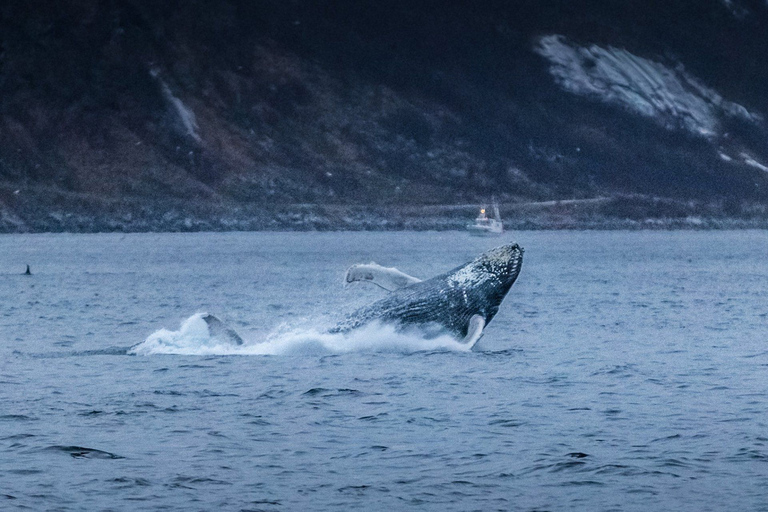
{"x":219,"y":330}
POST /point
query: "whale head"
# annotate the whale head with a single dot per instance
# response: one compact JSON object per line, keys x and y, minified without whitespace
{"x":502,"y":262}
{"x":487,"y":279}
{"x":500,"y":266}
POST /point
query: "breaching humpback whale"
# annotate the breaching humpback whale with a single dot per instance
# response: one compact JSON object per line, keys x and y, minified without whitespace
{"x":462,"y":301}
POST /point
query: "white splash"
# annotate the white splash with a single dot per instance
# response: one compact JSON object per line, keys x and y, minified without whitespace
{"x":193,"y":338}
{"x":672,"y":97}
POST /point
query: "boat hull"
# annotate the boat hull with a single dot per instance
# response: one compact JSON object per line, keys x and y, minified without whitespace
{"x":484,"y":231}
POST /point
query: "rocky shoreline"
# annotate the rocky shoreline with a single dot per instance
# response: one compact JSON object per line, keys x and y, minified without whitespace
{"x":41,"y":212}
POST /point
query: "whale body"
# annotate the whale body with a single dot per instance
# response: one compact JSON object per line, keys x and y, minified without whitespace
{"x":462,"y":301}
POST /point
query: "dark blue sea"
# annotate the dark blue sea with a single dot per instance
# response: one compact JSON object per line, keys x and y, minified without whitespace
{"x":625,"y":371}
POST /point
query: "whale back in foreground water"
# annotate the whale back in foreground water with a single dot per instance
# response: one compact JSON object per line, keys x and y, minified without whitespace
{"x":462,"y":301}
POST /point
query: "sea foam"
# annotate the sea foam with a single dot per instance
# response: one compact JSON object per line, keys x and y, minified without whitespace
{"x":193,"y":338}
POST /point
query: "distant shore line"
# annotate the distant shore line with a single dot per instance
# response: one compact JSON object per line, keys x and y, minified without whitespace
{"x":66,"y":213}
{"x":201,"y":225}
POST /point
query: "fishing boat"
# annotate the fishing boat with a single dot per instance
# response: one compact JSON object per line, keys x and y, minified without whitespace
{"x":487,"y":226}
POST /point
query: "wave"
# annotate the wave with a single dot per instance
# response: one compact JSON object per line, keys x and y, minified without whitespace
{"x":194,"y":338}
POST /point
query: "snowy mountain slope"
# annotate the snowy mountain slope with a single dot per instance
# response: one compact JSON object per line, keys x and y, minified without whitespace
{"x":133,"y":114}
{"x":670,"y":96}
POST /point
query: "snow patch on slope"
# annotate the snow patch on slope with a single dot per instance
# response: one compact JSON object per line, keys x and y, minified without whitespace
{"x":753,"y":163}
{"x":184,"y":113}
{"x":737,"y":11}
{"x":671,"y":97}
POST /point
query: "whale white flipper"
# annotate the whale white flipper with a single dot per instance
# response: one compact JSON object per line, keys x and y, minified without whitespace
{"x":388,"y":278}
{"x":474,"y":331}
{"x":219,"y":330}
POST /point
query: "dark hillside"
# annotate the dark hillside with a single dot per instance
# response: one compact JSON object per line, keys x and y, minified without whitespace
{"x":136,"y":115}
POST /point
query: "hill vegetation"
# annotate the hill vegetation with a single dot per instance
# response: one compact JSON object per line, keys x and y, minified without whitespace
{"x":187,"y":115}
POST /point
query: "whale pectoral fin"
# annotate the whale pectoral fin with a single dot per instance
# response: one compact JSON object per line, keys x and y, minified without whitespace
{"x":474,"y":331}
{"x":219,"y":330}
{"x":388,"y":278}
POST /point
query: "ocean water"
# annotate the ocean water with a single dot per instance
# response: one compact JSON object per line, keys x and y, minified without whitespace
{"x":624,"y":371}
